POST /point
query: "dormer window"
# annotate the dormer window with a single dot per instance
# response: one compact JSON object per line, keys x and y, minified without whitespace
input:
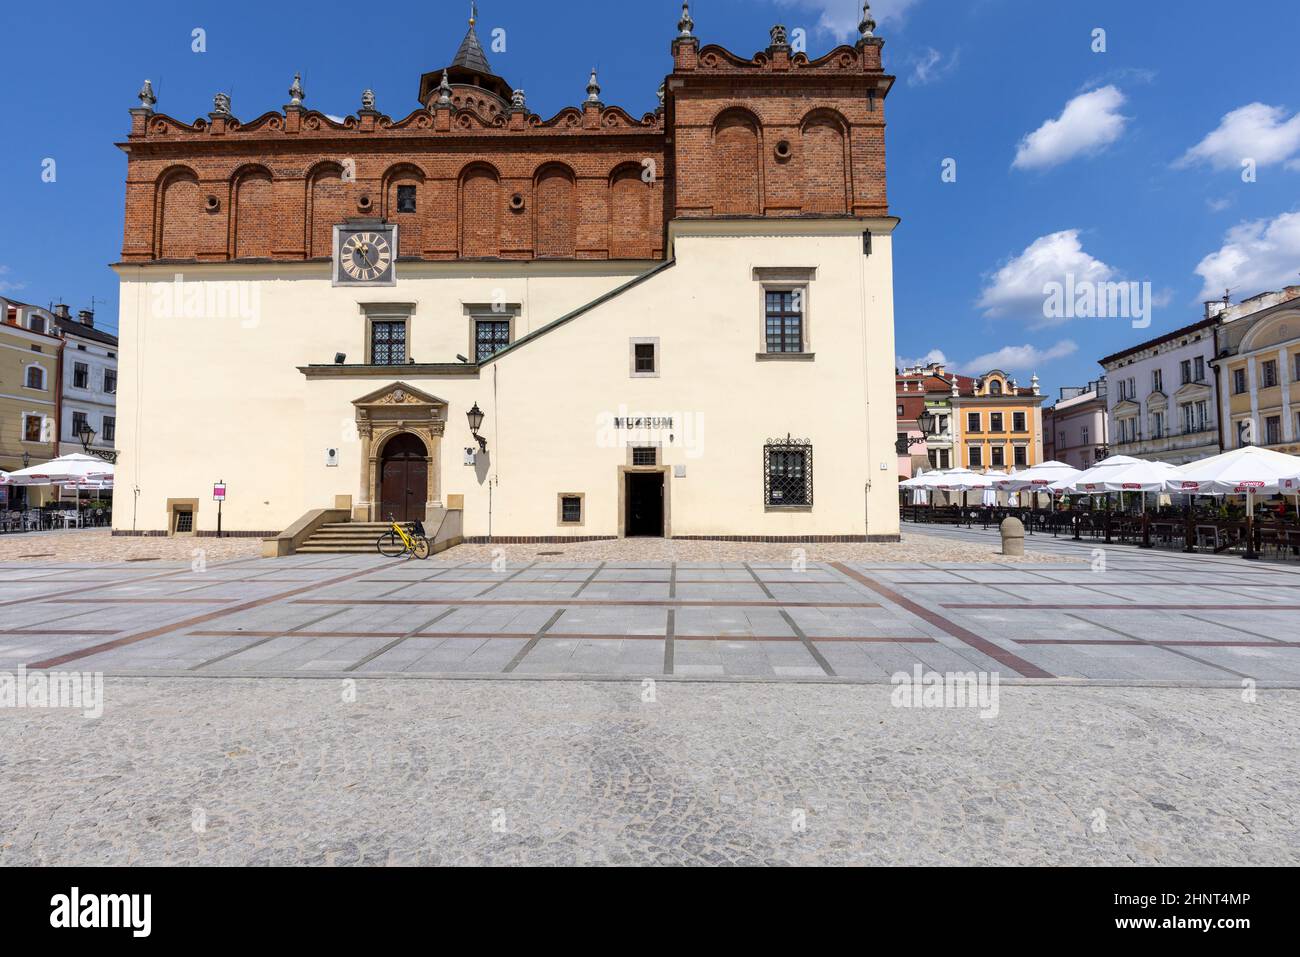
{"x":995,"y":387}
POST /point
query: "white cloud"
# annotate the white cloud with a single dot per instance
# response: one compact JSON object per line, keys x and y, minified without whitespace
{"x":840,"y":18}
{"x":932,"y":66}
{"x":5,"y":285}
{"x":1089,"y":123}
{"x":934,"y":355}
{"x":1024,"y":358}
{"x":1016,"y":290}
{"x":1255,"y":131}
{"x":1255,"y":257}
{"x":1218,"y":205}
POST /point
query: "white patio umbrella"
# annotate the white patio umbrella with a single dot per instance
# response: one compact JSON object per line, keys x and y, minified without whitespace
{"x":4,"y":477}
{"x":1245,"y":471}
{"x":65,"y":470}
{"x":995,"y":479}
{"x":1038,"y":477}
{"x":1248,"y":471}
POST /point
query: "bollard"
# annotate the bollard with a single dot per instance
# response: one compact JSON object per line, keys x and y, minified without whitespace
{"x":1013,"y":537}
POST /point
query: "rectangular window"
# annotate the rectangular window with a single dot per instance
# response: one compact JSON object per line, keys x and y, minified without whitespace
{"x":785,"y":320}
{"x":1202,"y":416}
{"x":406,"y":199}
{"x":900,"y":412}
{"x":976,"y":457}
{"x":388,"y":343}
{"x":1297,"y":367}
{"x":110,"y":381}
{"x":570,"y":509}
{"x":36,"y":378}
{"x":972,"y":422}
{"x":995,"y":421}
{"x":80,"y":375}
{"x":999,"y":456}
{"x":1186,"y":366}
{"x":645,"y":358}
{"x":1157,"y":425}
{"x":1021,"y":456}
{"x":78,"y":421}
{"x":1157,"y":380}
{"x":645,"y":456}
{"x":490,"y":337}
{"x":1018,"y":422}
{"x":787,"y":474}
{"x":1269,"y":373}
{"x":11,"y":315}
{"x":31,"y":428}
{"x":36,"y":323}
{"x":1244,"y":430}
{"x":1200,"y":368}
{"x":1238,"y":381}
{"x":1083,"y":435}
{"x":110,"y":428}
{"x":1273,"y":430}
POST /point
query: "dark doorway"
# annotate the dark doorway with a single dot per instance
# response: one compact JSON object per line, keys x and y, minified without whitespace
{"x":403,"y":479}
{"x":645,"y":505}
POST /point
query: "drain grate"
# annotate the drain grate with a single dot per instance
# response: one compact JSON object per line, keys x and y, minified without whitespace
{"x":42,"y":555}
{"x":144,"y":559}
{"x":548,"y":554}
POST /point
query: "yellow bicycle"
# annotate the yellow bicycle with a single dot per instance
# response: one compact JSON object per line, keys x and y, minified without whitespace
{"x":399,"y":541}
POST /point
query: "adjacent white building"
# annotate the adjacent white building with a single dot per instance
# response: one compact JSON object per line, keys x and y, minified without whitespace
{"x":89,"y":381}
{"x":1161,"y":395}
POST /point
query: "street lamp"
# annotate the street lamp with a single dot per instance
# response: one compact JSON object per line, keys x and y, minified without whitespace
{"x":475,"y":416}
{"x":27,"y":459}
{"x":87,"y":436}
{"x":925,"y":422}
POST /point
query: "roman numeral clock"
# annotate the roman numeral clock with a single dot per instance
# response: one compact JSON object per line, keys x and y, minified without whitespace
{"x":365,"y":254}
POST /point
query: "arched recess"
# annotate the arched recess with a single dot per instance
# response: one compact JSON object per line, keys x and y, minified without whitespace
{"x":327,"y":207}
{"x":480,"y":212}
{"x":253,"y":219}
{"x":410,"y":234}
{"x":629,"y":213}
{"x":737,"y":139}
{"x":825,"y":178}
{"x":178,"y":211}
{"x":555,"y":212}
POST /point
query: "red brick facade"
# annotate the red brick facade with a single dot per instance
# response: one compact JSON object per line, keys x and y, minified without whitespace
{"x":775,"y":135}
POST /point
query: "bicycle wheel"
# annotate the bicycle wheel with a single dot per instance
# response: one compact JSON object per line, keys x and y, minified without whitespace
{"x":422,"y":551}
{"x":390,"y":545}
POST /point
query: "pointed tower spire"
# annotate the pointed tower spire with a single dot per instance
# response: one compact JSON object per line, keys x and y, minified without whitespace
{"x":471,"y":55}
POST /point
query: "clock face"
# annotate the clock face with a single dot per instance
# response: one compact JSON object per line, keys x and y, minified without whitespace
{"x":364,"y":257}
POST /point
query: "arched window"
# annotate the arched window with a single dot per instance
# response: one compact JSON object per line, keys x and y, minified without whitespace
{"x":995,"y":387}
{"x":36,"y":378}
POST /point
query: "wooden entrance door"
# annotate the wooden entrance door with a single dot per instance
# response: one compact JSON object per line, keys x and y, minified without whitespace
{"x":403,"y":479}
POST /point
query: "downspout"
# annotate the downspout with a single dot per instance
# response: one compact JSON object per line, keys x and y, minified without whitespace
{"x":58,"y":397}
{"x":1218,"y":388}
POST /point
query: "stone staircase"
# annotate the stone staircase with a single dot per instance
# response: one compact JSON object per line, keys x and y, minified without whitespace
{"x":344,"y":538}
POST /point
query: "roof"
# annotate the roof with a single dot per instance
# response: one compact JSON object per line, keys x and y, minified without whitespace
{"x":471,"y":55}
{"x":1185,"y":330}
{"x":77,"y":329}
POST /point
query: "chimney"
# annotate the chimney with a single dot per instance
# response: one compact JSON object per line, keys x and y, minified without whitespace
{"x":1214,"y":308}
{"x":61,"y":311}
{"x":87,"y":318}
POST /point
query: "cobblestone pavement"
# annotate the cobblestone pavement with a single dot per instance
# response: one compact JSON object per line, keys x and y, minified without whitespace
{"x":1124,"y":615}
{"x":100,"y":545}
{"x":269,"y":771}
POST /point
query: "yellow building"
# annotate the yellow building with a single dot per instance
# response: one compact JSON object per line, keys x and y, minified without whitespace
{"x":999,"y":424}
{"x":29,"y":386}
{"x":1259,"y":372}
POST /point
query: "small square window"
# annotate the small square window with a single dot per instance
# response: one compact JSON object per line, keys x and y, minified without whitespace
{"x":644,"y":361}
{"x":406,"y":199}
{"x":490,"y":337}
{"x":645,"y":357}
{"x":32,"y":428}
{"x":645,"y":456}
{"x":571,"y":509}
{"x":787,"y":471}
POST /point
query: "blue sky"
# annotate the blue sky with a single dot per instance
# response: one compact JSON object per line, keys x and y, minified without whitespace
{"x":1122,"y":165}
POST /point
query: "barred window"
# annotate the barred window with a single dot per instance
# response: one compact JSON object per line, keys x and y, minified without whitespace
{"x":490,"y":337}
{"x":785,"y":320}
{"x":787,"y":473}
{"x":570,"y":509}
{"x":645,"y":456}
{"x":388,"y":343}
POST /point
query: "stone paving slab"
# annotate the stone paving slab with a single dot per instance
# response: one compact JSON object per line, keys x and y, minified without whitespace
{"x":1129,"y":614}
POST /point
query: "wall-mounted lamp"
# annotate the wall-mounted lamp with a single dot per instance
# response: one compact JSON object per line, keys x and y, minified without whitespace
{"x":475,"y":416}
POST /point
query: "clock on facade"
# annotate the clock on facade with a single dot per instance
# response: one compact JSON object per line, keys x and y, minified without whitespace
{"x":364,"y":255}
